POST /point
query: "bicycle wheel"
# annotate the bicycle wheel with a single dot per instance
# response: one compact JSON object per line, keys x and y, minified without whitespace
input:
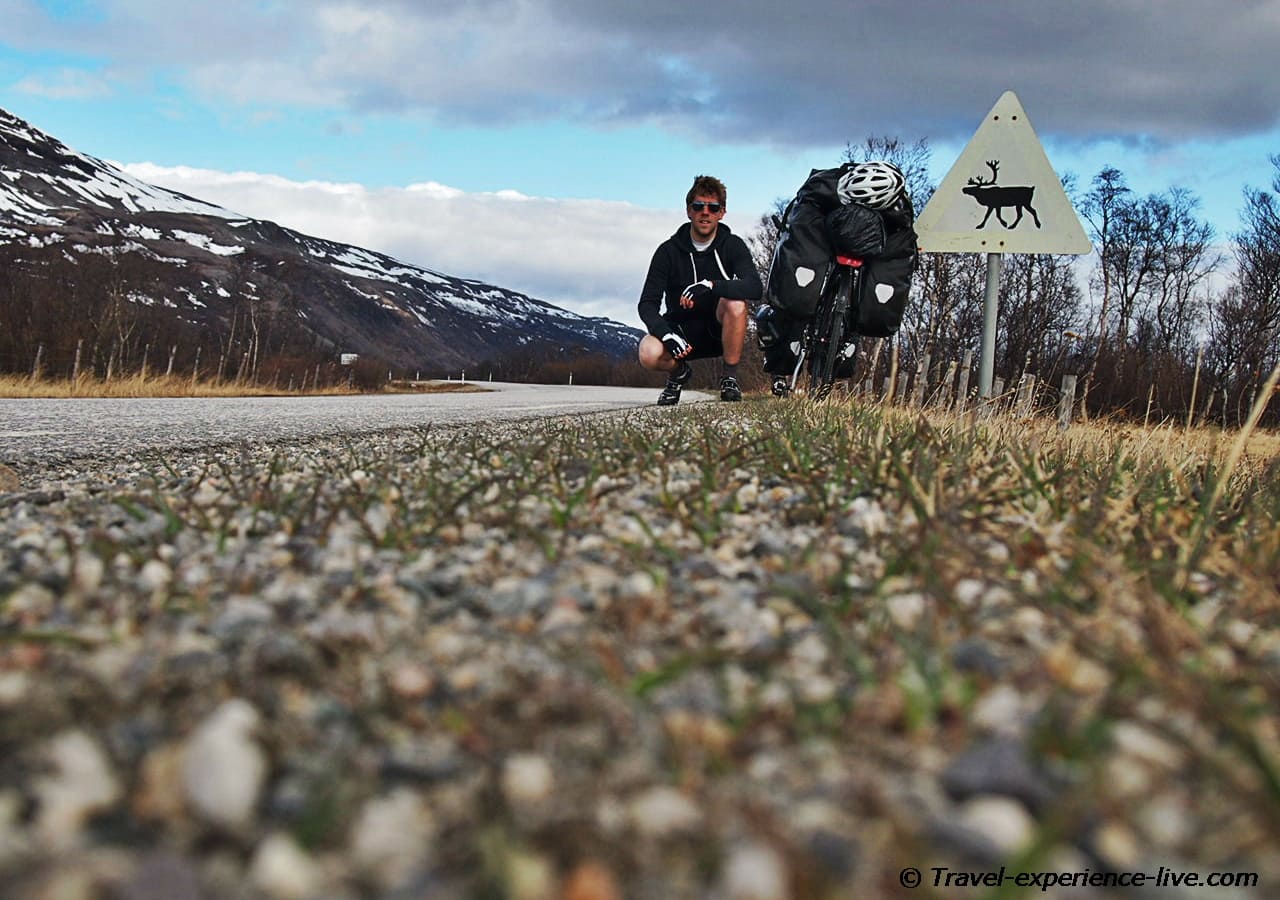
{"x":827,"y":331}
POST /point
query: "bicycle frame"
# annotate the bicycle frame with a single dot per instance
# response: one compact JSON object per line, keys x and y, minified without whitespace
{"x":825,"y":332}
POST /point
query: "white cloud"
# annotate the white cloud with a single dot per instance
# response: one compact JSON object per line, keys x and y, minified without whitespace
{"x":755,"y":71}
{"x":64,"y":84}
{"x":589,"y":256}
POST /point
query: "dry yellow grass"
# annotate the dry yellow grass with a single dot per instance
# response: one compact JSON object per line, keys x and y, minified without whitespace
{"x":23,"y":387}
{"x":1168,"y":443}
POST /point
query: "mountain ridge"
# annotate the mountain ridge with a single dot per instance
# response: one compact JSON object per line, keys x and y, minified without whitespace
{"x":211,"y":268}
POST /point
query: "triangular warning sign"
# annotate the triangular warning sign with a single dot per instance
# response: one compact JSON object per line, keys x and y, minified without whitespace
{"x":1002,"y":196}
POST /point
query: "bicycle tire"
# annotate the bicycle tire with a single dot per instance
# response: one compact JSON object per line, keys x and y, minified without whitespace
{"x":828,"y":331}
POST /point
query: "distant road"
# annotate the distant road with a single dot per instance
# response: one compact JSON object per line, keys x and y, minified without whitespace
{"x":33,"y":432}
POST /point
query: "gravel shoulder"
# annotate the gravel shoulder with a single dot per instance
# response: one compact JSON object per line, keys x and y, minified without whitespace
{"x":705,"y":652}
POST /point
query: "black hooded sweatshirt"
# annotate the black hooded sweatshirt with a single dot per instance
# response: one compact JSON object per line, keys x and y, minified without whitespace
{"x":676,"y":265}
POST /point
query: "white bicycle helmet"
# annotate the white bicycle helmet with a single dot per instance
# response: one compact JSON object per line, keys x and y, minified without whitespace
{"x":875,"y":184}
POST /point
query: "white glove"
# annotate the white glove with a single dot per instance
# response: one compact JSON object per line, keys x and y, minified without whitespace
{"x":677,"y":346}
{"x":689,"y":296}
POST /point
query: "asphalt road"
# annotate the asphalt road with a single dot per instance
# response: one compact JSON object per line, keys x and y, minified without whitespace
{"x":46,"y":431}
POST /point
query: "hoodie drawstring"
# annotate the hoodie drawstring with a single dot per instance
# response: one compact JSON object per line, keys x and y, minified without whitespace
{"x":693,"y":264}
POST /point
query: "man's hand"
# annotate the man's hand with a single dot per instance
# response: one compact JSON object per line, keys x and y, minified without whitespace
{"x":677,"y":346}
{"x":694,"y":292}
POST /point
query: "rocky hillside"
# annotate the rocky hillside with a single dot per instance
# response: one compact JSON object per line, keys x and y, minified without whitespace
{"x":211,"y":267}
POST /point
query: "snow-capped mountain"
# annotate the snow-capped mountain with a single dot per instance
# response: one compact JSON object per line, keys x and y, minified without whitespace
{"x":202,"y":259}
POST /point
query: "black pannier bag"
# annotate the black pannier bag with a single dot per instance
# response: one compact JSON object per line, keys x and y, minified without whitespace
{"x":821,"y":188}
{"x":800,"y":260}
{"x":886,"y":277}
{"x":780,"y":355}
{"x":856,"y":231}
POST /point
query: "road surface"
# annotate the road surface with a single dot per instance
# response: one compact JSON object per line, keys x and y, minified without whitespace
{"x":44,"y":431}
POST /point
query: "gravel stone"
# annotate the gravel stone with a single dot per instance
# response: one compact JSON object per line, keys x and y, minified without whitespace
{"x":223,"y":769}
{"x":465,"y":662}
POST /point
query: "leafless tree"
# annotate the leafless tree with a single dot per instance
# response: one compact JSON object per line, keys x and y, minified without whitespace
{"x":764,"y":239}
{"x":1101,"y":207}
{"x":1040,"y":302}
{"x":1244,"y":321}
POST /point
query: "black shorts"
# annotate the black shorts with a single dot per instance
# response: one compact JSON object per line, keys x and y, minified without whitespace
{"x":703,"y":334}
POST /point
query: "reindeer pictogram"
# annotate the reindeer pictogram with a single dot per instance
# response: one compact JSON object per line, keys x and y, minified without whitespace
{"x":996,"y":198}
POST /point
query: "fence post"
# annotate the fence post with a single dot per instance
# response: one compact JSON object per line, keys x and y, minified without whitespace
{"x":1066,"y":402}
{"x":1195,"y":383}
{"x":891,"y":382}
{"x":989,"y":405}
{"x":943,"y":399}
{"x":1026,"y":393}
{"x":869,"y":382}
{"x":962,"y":390}
{"x":922,"y":376}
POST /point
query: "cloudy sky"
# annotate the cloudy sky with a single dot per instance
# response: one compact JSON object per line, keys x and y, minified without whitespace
{"x":546,"y":145}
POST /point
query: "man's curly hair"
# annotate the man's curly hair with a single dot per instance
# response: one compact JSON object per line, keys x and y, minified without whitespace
{"x":705,"y":185}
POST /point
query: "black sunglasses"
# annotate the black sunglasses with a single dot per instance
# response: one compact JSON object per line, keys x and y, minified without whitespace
{"x":699,"y":206}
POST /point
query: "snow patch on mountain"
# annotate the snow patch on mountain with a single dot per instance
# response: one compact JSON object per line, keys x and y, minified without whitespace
{"x":204,"y":242}
{"x":81,"y":178}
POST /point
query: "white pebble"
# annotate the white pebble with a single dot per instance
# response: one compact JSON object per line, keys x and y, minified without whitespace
{"x":868,"y":515}
{"x":1003,"y":820}
{"x":816,"y":689}
{"x":13,"y":687}
{"x":968,"y":591}
{"x":906,"y":609}
{"x":1136,"y":741}
{"x":87,"y":572}
{"x":755,"y":872}
{"x":1167,"y":820}
{"x":283,"y":870}
{"x":661,"y":811}
{"x":81,"y":784}
{"x":1000,"y":710}
{"x":527,"y":779}
{"x":223,"y":768}
{"x":1117,"y":845}
{"x":391,"y":838}
{"x":154,"y":575}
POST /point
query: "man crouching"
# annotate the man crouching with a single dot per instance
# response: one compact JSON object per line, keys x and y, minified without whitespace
{"x":706,"y":276}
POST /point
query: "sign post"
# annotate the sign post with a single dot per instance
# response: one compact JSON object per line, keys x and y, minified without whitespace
{"x":1002,"y":174}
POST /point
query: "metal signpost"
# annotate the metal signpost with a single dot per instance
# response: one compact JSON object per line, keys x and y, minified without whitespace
{"x":1001,"y":196}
